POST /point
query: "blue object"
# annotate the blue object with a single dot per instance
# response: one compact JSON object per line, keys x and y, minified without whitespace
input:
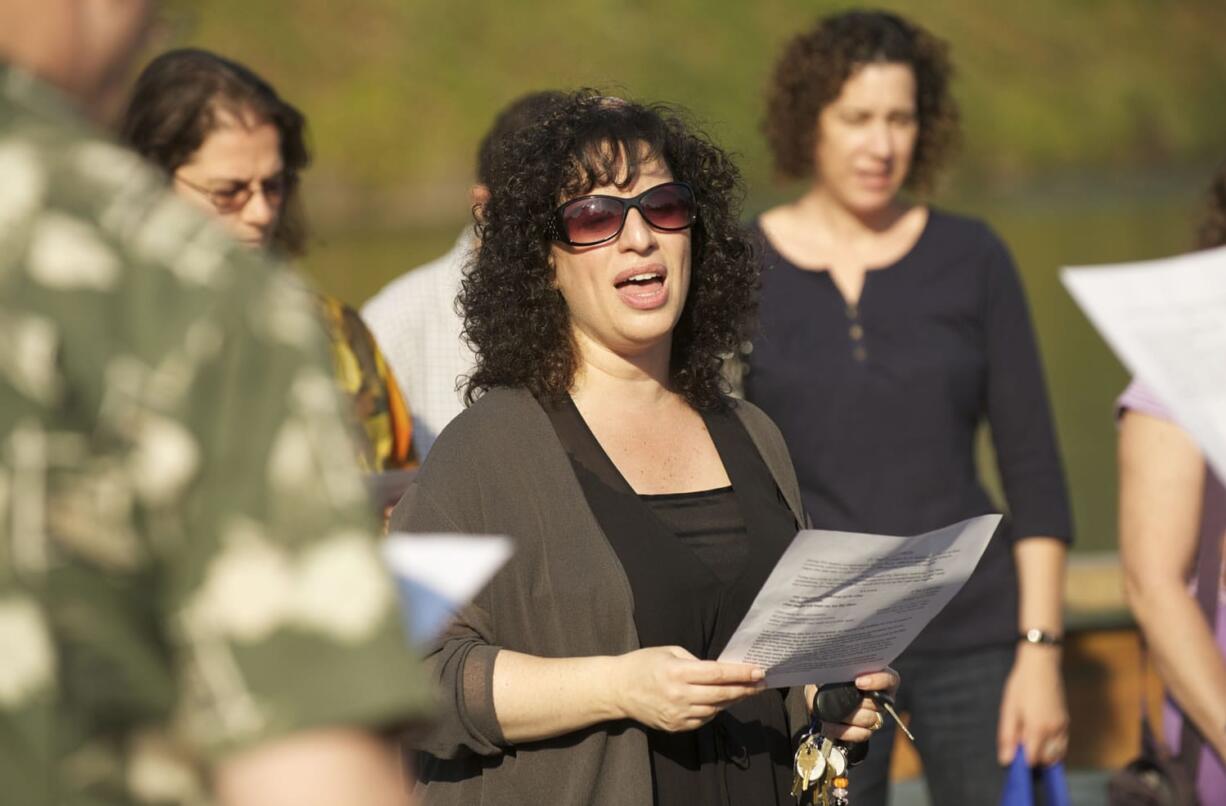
{"x":424,"y":610}
{"x":1021,"y":781}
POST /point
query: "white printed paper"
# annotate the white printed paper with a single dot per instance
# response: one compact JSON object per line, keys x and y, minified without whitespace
{"x":840,"y":604}
{"x":1166,"y":321}
{"x":436,"y":574}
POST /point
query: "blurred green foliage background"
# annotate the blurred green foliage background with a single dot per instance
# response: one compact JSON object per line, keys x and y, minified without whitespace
{"x":1090,"y":131}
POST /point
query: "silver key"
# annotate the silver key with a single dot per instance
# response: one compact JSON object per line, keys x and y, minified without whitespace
{"x":887,"y":702}
{"x":889,"y":709}
{"x":836,"y":761}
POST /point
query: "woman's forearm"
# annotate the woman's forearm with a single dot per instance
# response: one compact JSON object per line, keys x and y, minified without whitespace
{"x":1033,"y":713}
{"x":1040,"y":572}
{"x":1184,"y":651}
{"x":662,"y":687}
{"x":539,"y":698}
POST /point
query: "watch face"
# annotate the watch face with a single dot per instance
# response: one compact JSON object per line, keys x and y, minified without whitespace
{"x":1037,"y":636}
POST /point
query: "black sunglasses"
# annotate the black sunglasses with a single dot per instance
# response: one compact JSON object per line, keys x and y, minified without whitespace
{"x":590,"y":220}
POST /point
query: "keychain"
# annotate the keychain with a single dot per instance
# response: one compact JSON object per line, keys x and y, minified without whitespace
{"x":822,"y":765}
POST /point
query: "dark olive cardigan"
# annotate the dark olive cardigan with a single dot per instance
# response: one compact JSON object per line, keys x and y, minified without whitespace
{"x":500,"y":469}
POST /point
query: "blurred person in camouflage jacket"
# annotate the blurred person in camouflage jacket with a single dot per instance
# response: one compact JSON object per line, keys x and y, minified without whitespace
{"x":191,"y":600}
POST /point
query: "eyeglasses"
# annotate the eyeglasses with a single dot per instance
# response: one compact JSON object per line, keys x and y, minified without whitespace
{"x":234,"y":197}
{"x":590,"y":220}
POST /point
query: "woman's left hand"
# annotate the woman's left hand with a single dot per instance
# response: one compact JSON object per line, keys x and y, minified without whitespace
{"x":869,"y":717}
{"x":1033,"y":713}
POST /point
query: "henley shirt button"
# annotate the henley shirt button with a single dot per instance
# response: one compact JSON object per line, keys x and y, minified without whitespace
{"x":856,"y":331}
{"x":860,"y":354}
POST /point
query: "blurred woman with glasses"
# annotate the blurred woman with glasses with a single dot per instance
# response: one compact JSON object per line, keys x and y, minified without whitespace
{"x":232,"y":146}
{"x":890,"y":332}
{"x":647,"y":507}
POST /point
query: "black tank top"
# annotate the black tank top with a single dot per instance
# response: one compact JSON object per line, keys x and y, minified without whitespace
{"x":695,"y":562}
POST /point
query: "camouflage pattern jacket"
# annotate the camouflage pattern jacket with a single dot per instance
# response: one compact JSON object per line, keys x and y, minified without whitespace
{"x":187,"y":565}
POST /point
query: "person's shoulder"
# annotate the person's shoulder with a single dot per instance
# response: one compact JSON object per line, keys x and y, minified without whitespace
{"x":32,"y":109}
{"x":423,"y":287}
{"x":500,"y":422}
{"x":959,"y":226}
{"x":409,"y":289}
{"x":1140,"y":397}
{"x":342,"y":314}
{"x":483,"y":453}
{"x":493,"y":415}
{"x":966,"y":240}
{"x":757,"y":422}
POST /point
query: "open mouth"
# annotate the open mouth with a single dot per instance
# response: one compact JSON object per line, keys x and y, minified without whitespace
{"x":642,"y":287}
{"x":648,"y":280}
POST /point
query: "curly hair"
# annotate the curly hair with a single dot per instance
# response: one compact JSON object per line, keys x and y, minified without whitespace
{"x":516,"y":320}
{"x":814,"y":66}
{"x":1213,"y":227}
{"x":174,"y":108}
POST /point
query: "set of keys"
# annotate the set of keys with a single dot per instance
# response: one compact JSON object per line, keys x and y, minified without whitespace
{"x":821,"y":772}
{"x":821,"y":764}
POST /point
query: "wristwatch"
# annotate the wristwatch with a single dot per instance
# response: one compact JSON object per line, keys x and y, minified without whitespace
{"x":1036,"y":636}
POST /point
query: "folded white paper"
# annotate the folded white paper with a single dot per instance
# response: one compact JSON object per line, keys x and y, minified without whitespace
{"x":840,"y":604}
{"x":436,"y":574}
{"x":1166,"y":321}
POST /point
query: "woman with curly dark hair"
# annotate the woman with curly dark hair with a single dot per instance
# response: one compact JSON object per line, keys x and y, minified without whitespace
{"x":1172,"y":513}
{"x":647,"y":507}
{"x":890,"y":330}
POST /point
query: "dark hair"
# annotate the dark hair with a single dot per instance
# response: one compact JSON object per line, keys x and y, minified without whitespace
{"x":174,"y":107}
{"x":515,"y":319}
{"x":523,"y":111}
{"x":815,"y":65}
{"x":1213,"y":227}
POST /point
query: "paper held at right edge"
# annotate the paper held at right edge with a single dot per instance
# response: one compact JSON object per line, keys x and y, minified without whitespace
{"x":840,"y":604}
